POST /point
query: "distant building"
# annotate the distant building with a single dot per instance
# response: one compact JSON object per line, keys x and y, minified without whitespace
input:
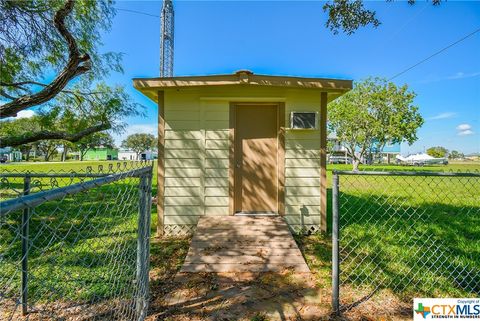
{"x":101,"y":153}
{"x":473,"y":156}
{"x":10,"y":155}
{"x":386,"y":154}
{"x":125,"y":154}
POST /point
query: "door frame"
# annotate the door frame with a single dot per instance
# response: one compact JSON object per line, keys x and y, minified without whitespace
{"x":280,"y":153}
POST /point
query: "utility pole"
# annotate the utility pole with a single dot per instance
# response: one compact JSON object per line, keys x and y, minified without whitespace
{"x":166,"y":39}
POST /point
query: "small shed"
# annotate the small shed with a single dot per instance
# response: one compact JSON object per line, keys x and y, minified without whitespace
{"x":241,"y":144}
{"x":101,"y":153}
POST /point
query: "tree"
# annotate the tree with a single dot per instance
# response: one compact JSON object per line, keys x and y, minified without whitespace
{"x":94,"y":141}
{"x":48,"y":148}
{"x":140,"y":143}
{"x":437,"y":151}
{"x":70,"y":118}
{"x":40,"y":37}
{"x":25,"y":149}
{"x":374,"y":113}
{"x":350,"y":15}
{"x":454,"y":154}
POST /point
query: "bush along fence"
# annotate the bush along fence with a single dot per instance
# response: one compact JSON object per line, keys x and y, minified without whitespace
{"x":75,"y":244}
{"x":404,"y":234}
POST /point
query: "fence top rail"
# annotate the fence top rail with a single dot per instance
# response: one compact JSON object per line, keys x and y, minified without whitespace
{"x":57,"y":175}
{"x":407,"y":173}
{"x":36,"y":199}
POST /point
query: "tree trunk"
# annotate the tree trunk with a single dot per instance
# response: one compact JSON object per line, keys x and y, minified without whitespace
{"x":64,"y":153}
{"x":27,"y":154}
{"x":356,"y":163}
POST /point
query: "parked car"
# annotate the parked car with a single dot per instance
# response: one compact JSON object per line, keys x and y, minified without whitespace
{"x":3,"y":159}
{"x":340,"y":160}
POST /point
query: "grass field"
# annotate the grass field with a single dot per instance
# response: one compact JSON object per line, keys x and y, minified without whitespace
{"x":82,"y":248}
{"x":385,"y":224}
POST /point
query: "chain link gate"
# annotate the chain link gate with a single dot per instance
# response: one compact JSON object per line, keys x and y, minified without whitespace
{"x":75,"y":244}
{"x":405,"y":235}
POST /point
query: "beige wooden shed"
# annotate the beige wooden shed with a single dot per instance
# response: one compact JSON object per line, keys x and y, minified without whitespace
{"x":241,"y":144}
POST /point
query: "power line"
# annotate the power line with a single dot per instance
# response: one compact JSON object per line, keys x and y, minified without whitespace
{"x":138,"y":12}
{"x":436,"y":53}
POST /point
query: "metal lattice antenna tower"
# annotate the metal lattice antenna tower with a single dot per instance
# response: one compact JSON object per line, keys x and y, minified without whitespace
{"x":166,"y":39}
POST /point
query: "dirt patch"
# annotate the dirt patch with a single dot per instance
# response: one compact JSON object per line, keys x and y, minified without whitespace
{"x":269,"y":296}
{"x":241,"y":296}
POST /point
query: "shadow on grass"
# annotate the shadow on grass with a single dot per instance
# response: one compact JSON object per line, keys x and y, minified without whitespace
{"x":417,"y":242}
{"x":82,"y":248}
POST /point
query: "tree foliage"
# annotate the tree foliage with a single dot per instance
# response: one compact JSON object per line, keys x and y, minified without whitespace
{"x":39,"y":38}
{"x":350,"y":15}
{"x":140,"y":143}
{"x":374,"y":113}
{"x":48,"y":148}
{"x":71,"y":118}
{"x":437,"y":151}
{"x":455,"y":154}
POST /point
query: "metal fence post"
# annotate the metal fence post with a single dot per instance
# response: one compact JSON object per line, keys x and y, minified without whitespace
{"x":143,"y":247}
{"x":335,"y":247}
{"x":25,"y":230}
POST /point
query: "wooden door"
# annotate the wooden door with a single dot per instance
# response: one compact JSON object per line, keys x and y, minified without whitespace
{"x":255,"y":159}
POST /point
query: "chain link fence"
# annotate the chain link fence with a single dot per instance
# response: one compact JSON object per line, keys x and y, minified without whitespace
{"x":404,"y":235}
{"x":75,"y":245}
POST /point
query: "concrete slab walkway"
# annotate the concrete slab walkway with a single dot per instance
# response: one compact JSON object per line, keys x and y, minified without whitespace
{"x":243,"y":244}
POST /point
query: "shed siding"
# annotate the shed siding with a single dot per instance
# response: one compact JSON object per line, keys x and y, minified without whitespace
{"x":302,"y":166}
{"x":184,"y":141}
{"x":216,"y":123}
{"x":197,"y":159}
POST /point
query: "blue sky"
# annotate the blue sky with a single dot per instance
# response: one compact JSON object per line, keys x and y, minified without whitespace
{"x":290,"y":38}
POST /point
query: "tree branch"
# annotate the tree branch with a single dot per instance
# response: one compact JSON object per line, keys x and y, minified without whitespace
{"x":14,"y":141}
{"x":77,"y":64}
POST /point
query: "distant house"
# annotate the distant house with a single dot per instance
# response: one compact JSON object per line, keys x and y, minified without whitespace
{"x":101,"y":153}
{"x":10,"y":155}
{"x":386,"y":154}
{"x":125,"y":154}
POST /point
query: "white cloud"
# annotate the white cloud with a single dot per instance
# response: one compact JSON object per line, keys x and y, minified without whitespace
{"x":142,"y":128}
{"x":464,"y":130}
{"x":445,"y":115}
{"x":25,"y":114}
{"x":463,"y":127}
{"x":135,"y":129}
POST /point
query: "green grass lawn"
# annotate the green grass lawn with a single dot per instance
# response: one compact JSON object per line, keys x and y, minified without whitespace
{"x":409,"y":235}
{"x":82,"y":248}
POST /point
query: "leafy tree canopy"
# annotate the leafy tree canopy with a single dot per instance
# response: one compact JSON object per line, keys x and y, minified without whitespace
{"x":140,"y":143}
{"x":374,"y":113}
{"x":350,"y":15}
{"x":437,"y":151}
{"x":454,"y":154}
{"x":72,"y":117}
{"x":39,"y":38}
